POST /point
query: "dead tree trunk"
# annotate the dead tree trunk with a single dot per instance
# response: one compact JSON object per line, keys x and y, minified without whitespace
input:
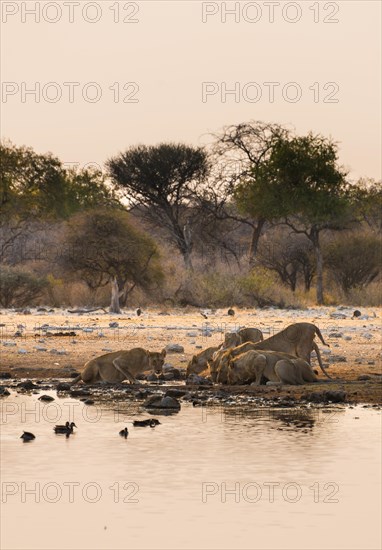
{"x":114,"y":304}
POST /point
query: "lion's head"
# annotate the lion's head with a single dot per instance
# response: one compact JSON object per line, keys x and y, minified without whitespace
{"x":156,"y":360}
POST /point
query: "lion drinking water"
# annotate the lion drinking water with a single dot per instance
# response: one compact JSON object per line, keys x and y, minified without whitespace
{"x":121,"y":365}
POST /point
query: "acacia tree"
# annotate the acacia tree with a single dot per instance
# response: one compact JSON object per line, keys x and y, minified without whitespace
{"x":310,"y":190}
{"x":36,"y":188}
{"x":240,"y":153}
{"x":102,"y":247}
{"x":161,"y":180}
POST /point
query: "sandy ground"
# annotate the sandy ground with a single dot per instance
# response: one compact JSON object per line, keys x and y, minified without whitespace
{"x":29,"y":347}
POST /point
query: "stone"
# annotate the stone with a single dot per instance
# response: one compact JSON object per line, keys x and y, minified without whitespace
{"x":63,"y":386}
{"x":27,"y":385}
{"x":336,"y":315}
{"x":337,"y":359}
{"x":4,"y":391}
{"x":46,"y":398}
{"x":159,"y":402}
{"x":174,"y":348}
{"x":364,"y":377}
{"x":5,"y":375}
{"x":335,"y":335}
{"x":152,"y":377}
{"x":175,"y":393}
{"x":324,"y":397}
{"x":194,"y":379}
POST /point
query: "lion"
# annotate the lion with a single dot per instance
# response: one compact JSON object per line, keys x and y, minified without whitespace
{"x":199,"y":362}
{"x":251,"y":335}
{"x":297,"y":340}
{"x":219,"y":362}
{"x":278,"y":368}
{"x":233,"y":339}
{"x":121,"y":365}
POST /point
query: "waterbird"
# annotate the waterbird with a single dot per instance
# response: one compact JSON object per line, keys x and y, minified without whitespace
{"x":124,"y":433}
{"x":66,"y":428}
{"x":27,"y":436}
{"x":152,"y":422}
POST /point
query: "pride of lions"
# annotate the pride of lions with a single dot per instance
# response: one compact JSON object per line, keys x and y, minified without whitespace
{"x":244,"y":357}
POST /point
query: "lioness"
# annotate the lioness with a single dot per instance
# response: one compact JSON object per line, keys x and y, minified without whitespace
{"x":219,"y":362}
{"x":275,"y":366}
{"x":121,"y":365}
{"x":297,"y":340}
{"x":233,"y":339}
{"x":199,"y":362}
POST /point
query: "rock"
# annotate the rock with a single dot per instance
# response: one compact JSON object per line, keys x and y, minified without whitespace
{"x":22,"y":351}
{"x":364,"y":377}
{"x":192,"y":334}
{"x":159,"y":402}
{"x":336,"y":315}
{"x":168,"y":376}
{"x":46,"y":398}
{"x":40,"y":348}
{"x":174,"y":348}
{"x":335,"y":335}
{"x":325,"y":396}
{"x":177,"y":374}
{"x":337,"y":359}
{"x":175,"y":393}
{"x":80,"y":392}
{"x":113,"y":324}
{"x":87,"y":329}
{"x":367,"y":335}
{"x":152,"y":377}
{"x":9,"y":344}
{"x":348,"y":338}
{"x":167,"y":367}
{"x":63,"y":386}
{"x":5,"y":375}
{"x":89,"y":402}
{"x":27,"y":385}
{"x":196,"y":380}
{"x":4,"y":391}
{"x":356,"y":313}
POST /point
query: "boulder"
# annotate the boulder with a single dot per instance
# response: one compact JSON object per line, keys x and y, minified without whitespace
{"x":160,"y":402}
{"x":174,"y":348}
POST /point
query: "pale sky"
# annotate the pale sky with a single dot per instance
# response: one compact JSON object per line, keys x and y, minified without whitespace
{"x":171,"y":56}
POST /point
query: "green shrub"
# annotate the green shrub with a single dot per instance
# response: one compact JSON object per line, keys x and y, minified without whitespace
{"x":19,"y":288}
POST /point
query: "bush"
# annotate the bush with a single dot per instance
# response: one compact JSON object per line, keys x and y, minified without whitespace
{"x":354,"y":260}
{"x":19,"y":288}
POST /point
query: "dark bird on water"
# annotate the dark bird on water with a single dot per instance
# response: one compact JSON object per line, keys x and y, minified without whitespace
{"x":231,"y":312}
{"x":27,"y":436}
{"x":66,"y":428}
{"x":152,"y":422}
{"x":139,"y":312}
{"x":124,"y":433}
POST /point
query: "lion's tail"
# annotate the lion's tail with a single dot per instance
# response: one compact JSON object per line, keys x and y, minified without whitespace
{"x":318,"y":332}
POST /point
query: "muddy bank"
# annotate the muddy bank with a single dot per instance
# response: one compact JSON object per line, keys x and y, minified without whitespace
{"x":324,"y":393}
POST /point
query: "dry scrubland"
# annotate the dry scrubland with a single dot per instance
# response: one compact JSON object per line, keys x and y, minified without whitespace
{"x":355,"y":344}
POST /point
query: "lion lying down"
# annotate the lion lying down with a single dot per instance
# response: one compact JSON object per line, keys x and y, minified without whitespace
{"x":277,"y":367}
{"x":121,"y":365}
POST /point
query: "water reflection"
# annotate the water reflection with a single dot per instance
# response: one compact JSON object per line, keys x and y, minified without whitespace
{"x":203,"y":478}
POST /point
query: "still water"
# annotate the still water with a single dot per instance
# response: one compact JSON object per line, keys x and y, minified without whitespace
{"x":205,"y":478}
